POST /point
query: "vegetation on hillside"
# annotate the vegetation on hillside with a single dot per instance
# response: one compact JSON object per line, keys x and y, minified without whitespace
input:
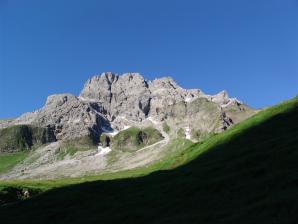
{"x":166,"y":128}
{"x":24,"y":137}
{"x":104,"y":140}
{"x":9,"y":160}
{"x":135,"y":138}
{"x":72,"y":146}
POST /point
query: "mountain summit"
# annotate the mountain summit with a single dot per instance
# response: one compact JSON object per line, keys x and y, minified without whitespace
{"x":110,"y":105}
{"x":109,"y":101}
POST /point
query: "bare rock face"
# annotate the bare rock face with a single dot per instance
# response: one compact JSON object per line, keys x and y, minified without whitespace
{"x":131,"y":98}
{"x":109,"y":100}
{"x":169,"y":99}
{"x":67,"y":116}
{"x":127,"y":95}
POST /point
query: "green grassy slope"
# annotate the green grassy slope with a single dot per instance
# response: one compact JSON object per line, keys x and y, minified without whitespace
{"x":9,"y":160}
{"x":248,"y":174}
{"x":135,"y":138}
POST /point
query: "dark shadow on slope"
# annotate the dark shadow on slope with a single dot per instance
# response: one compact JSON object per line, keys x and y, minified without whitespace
{"x":10,"y":195}
{"x":253,"y":178}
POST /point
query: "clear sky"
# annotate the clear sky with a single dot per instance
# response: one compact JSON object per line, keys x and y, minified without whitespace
{"x":247,"y":47}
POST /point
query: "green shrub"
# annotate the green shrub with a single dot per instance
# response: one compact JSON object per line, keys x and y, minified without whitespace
{"x":104,"y":140}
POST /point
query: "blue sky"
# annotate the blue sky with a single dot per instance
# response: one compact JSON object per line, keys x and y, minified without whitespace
{"x":247,"y":47}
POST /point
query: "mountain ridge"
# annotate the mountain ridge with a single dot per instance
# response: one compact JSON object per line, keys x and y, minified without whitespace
{"x":89,"y":134}
{"x":106,"y":97}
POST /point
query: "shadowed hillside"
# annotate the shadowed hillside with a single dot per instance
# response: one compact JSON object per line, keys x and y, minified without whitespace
{"x":248,"y":174}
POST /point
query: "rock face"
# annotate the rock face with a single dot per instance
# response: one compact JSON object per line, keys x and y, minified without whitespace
{"x":24,"y":137}
{"x":127,"y":95}
{"x":109,"y":101}
{"x":130,"y":97}
{"x":69,"y":117}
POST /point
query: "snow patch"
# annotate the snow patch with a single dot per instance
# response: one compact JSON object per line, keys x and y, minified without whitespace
{"x":104,"y":129}
{"x":125,"y":127}
{"x":187,"y":133}
{"x":153,"y":121}
{"x":113,"y":133}
{"x":102,"y":151}
{"x":109,"y":131}
{"x":187,"y":99}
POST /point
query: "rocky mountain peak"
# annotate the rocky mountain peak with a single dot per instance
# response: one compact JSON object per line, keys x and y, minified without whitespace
{"x":166,"y":82}
{"x":140,"y":121}
{"x":221,"y":97}
{"x":57,"y":100}
{"x":110,"y":100}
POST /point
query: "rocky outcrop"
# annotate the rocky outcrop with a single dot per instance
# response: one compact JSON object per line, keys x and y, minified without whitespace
{"x":24,"y":137}
{"x":127,"y":95}
{"x":109,"y":101}
{"x":130,"y":97}
{"x":67,"y":116}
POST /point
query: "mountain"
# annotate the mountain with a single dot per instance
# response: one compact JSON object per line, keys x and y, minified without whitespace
{"x":247,"y":174}
{"x":116,"y":123}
